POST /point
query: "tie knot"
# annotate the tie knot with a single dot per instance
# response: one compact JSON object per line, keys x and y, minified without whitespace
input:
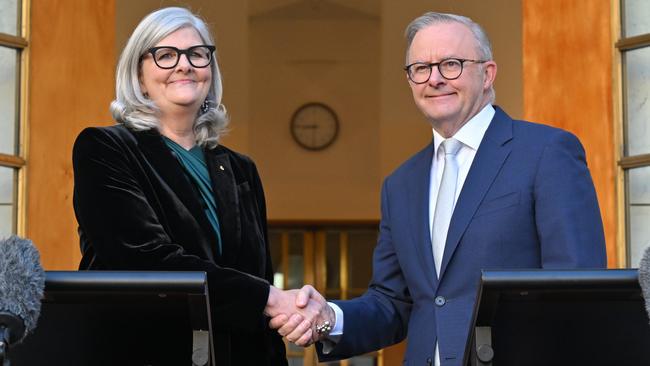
{"x":451,"y":146}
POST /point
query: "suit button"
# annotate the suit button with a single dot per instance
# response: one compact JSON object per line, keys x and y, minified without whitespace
{"x":440,"y":300}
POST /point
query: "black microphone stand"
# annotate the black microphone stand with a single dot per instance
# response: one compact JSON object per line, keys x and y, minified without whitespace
{"x":12,"y":329}
{"x":4,"y":339}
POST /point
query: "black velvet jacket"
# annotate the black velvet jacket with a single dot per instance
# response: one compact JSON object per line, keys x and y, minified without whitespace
{"x":137,"y":210}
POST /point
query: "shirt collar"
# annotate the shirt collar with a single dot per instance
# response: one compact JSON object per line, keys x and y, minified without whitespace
{"x":472,"y":132}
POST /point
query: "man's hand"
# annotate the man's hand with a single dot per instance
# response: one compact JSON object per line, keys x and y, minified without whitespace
{"x":303,"y":329}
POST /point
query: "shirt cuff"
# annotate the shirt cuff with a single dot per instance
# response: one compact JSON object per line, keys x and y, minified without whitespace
{"x":337,"y":330}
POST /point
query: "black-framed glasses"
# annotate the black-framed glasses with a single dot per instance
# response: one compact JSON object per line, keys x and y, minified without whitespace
{"x":167,"y":57}
{"x":449,"y":68}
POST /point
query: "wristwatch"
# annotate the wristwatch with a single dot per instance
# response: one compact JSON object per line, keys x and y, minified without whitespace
{"x":324,"y":329}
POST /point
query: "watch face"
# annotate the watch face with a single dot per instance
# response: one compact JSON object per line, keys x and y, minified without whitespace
{"x":314,"y":126}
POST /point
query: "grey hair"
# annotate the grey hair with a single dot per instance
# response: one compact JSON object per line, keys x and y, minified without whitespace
{"x":139,"y":113}
{"x":484,"y":47}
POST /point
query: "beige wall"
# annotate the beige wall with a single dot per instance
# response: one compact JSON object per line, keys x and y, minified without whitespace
{"x":277,"y":54}
{"x":299,"y":61}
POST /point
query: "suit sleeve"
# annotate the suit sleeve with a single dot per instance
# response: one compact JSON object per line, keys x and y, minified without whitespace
{"x":126,"y":234}
{"x":380,"y":317}
{"x":567,"y":215}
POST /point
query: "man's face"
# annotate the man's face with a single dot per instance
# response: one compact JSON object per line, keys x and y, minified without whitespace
{"x":449,"y":104}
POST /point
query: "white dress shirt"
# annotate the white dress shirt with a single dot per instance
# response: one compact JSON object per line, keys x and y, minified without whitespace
{"x":470,"y":135}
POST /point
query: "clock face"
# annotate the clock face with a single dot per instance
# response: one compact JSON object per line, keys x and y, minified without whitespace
{"x":314,"y":126}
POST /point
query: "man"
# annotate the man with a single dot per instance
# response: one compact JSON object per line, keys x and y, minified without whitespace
{"x":489,"y":192}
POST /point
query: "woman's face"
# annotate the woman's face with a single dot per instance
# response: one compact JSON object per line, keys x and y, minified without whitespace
{"x":181,"y":87}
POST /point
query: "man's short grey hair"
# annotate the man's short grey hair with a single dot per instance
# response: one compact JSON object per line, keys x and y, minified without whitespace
{"x":484,"y":47}
{"x":132,"y":108}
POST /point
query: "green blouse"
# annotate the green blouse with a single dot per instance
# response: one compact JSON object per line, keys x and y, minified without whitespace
{"x":193,"y":161}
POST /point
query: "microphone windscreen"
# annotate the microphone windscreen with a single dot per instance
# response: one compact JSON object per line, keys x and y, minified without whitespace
{"x":644,"y":278}
{"x":22,"y":280}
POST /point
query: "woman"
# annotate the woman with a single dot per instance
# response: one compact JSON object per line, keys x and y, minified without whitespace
{"x":158,"y":192}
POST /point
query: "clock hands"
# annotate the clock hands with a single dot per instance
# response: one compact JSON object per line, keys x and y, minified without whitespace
{"x":308,"y":127}
{"x":314,"y":126}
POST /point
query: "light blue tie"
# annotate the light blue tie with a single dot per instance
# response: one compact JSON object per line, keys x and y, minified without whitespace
{"x":445,"y":201}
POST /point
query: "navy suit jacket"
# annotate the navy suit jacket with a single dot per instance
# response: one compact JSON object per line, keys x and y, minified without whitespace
{"x":527,"y":202}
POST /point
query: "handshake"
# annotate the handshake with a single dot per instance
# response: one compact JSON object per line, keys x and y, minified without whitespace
{"x":302,"y":316}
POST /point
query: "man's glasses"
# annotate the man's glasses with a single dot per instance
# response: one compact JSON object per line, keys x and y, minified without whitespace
{"x":167,"y":57}
{"x":449,"y":68}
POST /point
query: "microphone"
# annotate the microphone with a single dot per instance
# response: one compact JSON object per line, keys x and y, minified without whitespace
{"x":644,"y":278}
{"x":22,"y":281}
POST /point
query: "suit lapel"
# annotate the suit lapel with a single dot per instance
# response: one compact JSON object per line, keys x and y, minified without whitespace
{"x":171,"y":172}
{"x":418,"y":204}
{"x":225,"y":193}
{"x":489,"y":158}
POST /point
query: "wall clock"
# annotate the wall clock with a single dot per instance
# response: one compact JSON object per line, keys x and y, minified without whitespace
{"x":314,"y":126}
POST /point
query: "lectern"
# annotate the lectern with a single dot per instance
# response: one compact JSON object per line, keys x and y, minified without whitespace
{"x":121,"y":318}
{"x":575,"y":317}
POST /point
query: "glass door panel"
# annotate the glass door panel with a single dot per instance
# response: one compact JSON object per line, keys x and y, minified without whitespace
{"x":336,"y":260}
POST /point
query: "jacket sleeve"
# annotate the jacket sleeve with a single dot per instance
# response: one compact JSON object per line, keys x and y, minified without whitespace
{"x":123,"y":230}
{"x":567,"y":216}
{"x":380,"y":317}
{"x":260,"y":200}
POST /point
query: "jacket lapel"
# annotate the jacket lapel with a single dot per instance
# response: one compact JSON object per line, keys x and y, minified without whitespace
{"x":489,"y":158}
{"x":418,"y":206}
{"x":171,"y":172}
{"x":226,"y":196}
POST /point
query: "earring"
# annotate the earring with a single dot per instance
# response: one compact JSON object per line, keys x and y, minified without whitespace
{"x":205,"y":106}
